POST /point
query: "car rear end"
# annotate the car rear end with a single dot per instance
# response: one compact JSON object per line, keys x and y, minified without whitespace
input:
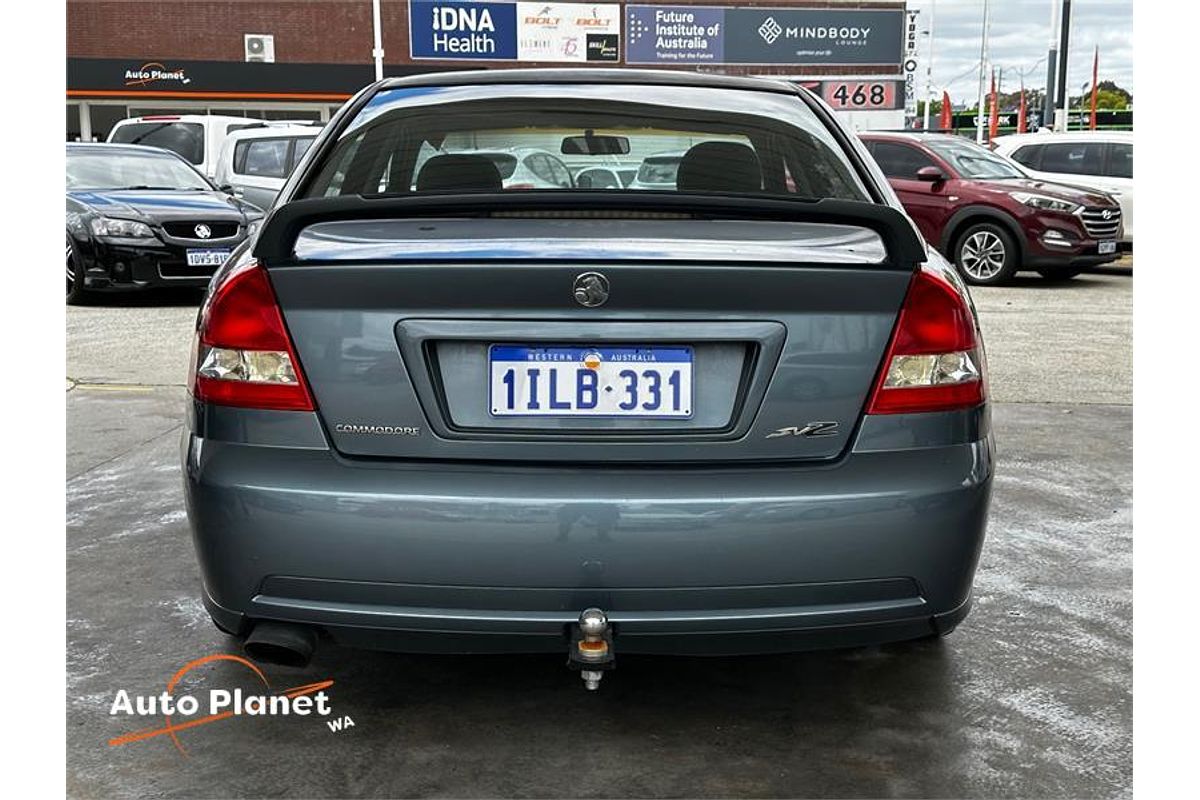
{"x":747,"y":414}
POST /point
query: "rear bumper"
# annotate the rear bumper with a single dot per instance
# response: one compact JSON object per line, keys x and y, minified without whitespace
{"x":881,"y":546}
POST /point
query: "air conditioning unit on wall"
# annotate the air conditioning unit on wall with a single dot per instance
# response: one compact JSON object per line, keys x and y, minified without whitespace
{"x":260,"y":47}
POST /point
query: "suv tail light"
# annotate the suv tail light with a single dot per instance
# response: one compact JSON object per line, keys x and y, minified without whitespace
{"x":243,"y":354}
{"x":934,"y":361}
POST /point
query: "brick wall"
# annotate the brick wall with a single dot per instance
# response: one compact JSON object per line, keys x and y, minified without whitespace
{"x":312,"y":31}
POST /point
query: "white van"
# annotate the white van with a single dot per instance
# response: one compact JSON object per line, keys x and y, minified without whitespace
{"x":195,"y":137}
{"x":256,"y":162}
{"x":1097,"y":160}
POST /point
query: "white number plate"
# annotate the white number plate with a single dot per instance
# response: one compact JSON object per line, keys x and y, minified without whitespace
{"x":1107,"y":247}
{"x":207,"y":258}
{"x":632,"y":381}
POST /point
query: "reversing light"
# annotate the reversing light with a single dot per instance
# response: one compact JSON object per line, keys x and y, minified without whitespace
{"x":934,"y":361}
{"x":244,"y":356}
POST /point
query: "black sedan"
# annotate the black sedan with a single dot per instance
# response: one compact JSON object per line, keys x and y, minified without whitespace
{"x":141,"y":216}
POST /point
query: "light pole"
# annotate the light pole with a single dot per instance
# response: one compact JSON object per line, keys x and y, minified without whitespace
{"x":377,"y":52}
{"x":1051,"y":67}
{"x":983,"y":60}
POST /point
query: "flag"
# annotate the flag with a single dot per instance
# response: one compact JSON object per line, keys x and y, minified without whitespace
{"x":1095,"y":73}
{"x":947,"y":121}
{"x":1021,"y":113}
{"x":994,"y":119}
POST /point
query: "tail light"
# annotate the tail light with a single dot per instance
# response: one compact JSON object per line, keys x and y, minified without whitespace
{"x":934,"y":361}
{"x":243,"y":354}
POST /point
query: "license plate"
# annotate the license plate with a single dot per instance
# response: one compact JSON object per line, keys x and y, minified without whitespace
{"x":207,"y":258}
{"x":1107,"y":247}
{"x":631,"y":381}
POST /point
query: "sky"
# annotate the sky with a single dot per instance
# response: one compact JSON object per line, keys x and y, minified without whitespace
{"x":1019,"y":41}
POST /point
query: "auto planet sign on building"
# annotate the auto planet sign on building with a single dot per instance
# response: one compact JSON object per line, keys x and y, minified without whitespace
{"x":800,"y":36}
{"x":456,"y":30}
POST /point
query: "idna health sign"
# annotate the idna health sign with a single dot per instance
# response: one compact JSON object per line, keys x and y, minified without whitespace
{"x":453,"y":29}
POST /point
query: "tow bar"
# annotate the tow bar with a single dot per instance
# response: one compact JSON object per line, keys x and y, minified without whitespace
{"x":591,"y":649}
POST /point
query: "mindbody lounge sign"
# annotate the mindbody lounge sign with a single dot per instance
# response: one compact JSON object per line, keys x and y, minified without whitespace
{"x":457,"y":30}
{"x":801,"y":36}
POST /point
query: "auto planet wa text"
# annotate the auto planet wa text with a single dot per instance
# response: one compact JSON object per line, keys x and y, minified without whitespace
{"x":221,"y":701}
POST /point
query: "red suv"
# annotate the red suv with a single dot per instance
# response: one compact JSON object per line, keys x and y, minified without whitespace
{"x":987,"y":216}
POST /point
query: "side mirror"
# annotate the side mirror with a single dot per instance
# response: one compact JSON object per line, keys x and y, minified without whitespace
{"x":931,"y":174}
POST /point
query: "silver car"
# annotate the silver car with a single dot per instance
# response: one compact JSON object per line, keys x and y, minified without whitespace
{"x":428,"y":414}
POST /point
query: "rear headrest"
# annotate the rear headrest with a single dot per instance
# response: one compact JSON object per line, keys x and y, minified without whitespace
{"x":459,"y":172}
{"x":719,"y":167}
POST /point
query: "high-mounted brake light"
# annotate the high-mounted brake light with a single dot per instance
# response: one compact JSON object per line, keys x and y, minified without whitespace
{"x":243,"y":354}
{"x":934,"y":361}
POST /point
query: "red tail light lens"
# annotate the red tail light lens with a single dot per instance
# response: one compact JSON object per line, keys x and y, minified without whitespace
{"x":244,"y":356}
{"x":934,"y":361}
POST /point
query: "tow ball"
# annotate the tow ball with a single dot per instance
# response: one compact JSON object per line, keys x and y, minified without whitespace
{"x":591,"y":649}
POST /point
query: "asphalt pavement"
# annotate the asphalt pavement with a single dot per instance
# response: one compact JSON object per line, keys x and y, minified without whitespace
{"x":1031,"y":696}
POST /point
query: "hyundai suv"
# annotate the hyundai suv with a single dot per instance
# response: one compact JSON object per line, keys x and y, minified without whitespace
{"x":984,"y":213}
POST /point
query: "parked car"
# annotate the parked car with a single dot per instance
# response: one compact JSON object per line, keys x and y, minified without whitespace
{"x":657,"y":171}
{"x":1097,"y":160}
{"x":748,"y":414}
{"x":255,"y":162}
{"x":600,"y":178}
{"x":984,"y":213}
{"x":142,"y":216}
{"x":527,"y":167}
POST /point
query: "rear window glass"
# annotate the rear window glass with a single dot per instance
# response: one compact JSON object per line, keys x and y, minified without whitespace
{"x":300,"y":148}
{"x":264,"y":158}
{"x":499,"y":138}
{"x":184,"y":138}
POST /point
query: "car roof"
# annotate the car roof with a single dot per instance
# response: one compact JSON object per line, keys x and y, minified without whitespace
{"x":1067,"y":136}
{"x":651,"y":77}
{"x":915,"y":136}
{"x":135,"y":149}
{"x":275,"y":132}
{"x":505,"y":151}
{"x":168,"y":117}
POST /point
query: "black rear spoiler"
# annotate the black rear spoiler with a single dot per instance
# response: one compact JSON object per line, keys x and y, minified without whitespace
{"x":277,"y":240}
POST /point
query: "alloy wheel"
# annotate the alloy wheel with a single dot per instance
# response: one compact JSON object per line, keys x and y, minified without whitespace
{"x":982,"y":255}
{"x":70,"y":267}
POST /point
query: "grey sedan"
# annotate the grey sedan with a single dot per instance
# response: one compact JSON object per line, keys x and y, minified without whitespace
{"x":743,"y":412}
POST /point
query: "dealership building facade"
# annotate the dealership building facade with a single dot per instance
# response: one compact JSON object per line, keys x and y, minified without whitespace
{"x":300,"y":59}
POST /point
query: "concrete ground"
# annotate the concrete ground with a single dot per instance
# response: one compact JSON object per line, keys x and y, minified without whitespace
{"x":1031,"y":697}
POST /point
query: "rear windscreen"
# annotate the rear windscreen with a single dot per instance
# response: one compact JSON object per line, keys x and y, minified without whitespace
{"x":184,"y":138}
{"x":517,"y":137}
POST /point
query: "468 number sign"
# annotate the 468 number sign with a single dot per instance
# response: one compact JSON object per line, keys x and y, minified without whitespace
{"x":861,"y":95}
